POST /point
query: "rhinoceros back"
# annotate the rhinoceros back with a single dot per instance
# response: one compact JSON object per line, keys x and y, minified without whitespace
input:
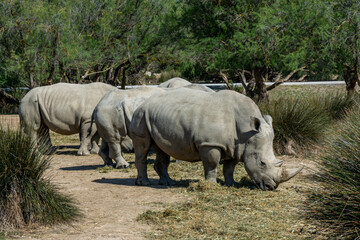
{"x":188,"y":119}
{"x":63,"y":107}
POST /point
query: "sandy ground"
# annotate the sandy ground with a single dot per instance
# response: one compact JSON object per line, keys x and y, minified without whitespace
{"x":109,"y":201}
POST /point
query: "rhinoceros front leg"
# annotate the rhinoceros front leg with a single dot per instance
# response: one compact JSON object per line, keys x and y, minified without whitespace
{"x":115,"y":153}
{"x":210,"y":157}
{"x":228,"y":171}
{"x":104,"y":153}
{"x":161,"y":167}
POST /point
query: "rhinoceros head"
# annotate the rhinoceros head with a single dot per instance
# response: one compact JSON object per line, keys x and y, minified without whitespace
{"x":259,"y":159}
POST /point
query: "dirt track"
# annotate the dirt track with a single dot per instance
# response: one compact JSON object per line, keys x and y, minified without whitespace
{"x":109,"y":201}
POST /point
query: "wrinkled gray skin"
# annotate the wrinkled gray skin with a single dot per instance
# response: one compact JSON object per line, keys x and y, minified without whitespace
{"x":208,"y":127}
{"x":112,"y":117}
{"x":65,"y":109}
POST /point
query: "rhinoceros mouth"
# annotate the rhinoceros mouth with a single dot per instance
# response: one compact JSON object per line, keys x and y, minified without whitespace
{"x":269,"y":185}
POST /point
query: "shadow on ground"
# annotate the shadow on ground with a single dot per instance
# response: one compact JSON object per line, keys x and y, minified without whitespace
{"x":66,"y":149}
{"x":82,"y":167}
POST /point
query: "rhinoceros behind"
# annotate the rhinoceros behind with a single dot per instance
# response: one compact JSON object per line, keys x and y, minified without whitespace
{"x":113,"y":115}
{"x":175,"y":82}
{"x":63,"y":108}
{"x":200,"y":126}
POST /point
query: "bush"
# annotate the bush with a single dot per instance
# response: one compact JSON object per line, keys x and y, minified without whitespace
{"x":27,"y":197}
{"x":337,"y":202}
{"x":300,"y":122}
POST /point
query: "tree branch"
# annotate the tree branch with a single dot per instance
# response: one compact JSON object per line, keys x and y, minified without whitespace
{"x":279,"y":80}
{"x":224,"y":77}
{"x":8,"y":98}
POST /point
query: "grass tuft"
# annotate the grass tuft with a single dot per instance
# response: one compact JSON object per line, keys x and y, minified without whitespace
{"x":27,"y":197}
{"x":301,"y":122}
{"x":336,"y":204}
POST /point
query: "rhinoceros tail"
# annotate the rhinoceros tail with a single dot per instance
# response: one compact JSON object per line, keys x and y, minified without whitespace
{"x":91,"y":123}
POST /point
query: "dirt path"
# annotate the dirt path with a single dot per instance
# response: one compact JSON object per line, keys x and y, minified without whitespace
{"x":109,"y":201}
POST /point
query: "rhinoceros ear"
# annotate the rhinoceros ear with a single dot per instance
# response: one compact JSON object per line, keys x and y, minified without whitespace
{"x":255,"y":123}
{"x":268,"y":119}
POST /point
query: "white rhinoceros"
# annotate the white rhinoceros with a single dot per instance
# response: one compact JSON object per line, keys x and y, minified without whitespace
{"x":65,"y":109}
{"x":175,"y":82}
{"x":200,"y":126}
{"x":113,"y":114}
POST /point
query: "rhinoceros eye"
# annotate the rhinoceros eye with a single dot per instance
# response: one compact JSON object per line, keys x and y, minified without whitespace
{"x":263,"y":164}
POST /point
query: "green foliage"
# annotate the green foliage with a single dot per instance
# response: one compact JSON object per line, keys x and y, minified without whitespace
{"x":43,"y":42}
{"x":300,"y":122}
{"x":337,"y":203}
{"x":27,"y":196}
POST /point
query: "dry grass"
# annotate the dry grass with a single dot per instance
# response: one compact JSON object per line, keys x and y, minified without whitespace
{"x":213,"y":211}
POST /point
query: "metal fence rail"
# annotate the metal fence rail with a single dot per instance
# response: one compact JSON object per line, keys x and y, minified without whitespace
{"x":223,"y":85}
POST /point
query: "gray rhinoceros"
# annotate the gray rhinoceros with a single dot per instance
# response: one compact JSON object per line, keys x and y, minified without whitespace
{"x":65,"y":109}
{"x":175,"y":82}
{"x":200,"y":126}
{"x":113,"y":114}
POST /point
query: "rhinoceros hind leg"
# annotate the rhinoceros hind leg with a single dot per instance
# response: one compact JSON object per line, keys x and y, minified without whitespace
{"x":95,"y":144}
{"x":161,"y":167}
{"x":141,"y":146}
{"x":228,"y":171}
{"x":104,"y":153}
{"x":44,"y":136}
{"x":210,"y":157}
{"x":85,"y":139}
{"x":115,"y":153}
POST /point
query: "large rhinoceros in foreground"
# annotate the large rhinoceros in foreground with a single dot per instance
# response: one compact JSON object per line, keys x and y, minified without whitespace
{"x":113,"y":115}
{"x":193,"y":126}
{"x":63,"y":108}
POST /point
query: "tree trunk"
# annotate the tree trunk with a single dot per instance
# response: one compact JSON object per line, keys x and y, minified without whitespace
{"x":123,"y":77}
{"x":260,"y":92}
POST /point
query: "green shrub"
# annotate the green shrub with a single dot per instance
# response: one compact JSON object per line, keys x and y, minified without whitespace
{"x":27,"y":197}
{"x":301,"y":122}
{"x":297,"y":123}
{"x":337,"y":203}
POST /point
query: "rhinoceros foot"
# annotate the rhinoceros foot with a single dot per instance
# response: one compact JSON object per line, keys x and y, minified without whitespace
{"x":166,"y":181}
{"x":122,"y":165}
{"x":94,"y":150}
{"x":142,"y":182}
{"x":83,"y":152}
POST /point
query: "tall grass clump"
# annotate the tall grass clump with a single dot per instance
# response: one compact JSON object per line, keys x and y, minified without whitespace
{"x":300,"y":123}
{"x":27,"y":196}
{"x":337,"y":203}
{"x":297,"y":123}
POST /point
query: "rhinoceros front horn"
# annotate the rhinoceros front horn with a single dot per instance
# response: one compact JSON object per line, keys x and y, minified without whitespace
{"x":287,"y":174}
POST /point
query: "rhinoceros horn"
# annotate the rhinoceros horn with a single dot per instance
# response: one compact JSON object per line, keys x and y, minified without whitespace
{"x":287,"y":174}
